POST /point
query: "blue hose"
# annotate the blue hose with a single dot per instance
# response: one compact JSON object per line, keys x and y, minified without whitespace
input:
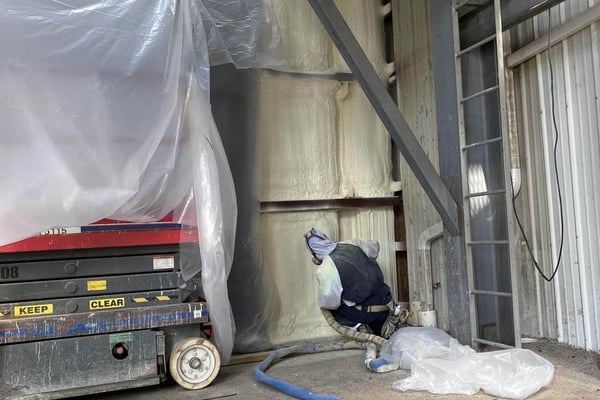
{"x":289,"y":388}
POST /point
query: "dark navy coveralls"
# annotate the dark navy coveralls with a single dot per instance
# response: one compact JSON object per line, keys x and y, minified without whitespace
{"x":362,"y":283}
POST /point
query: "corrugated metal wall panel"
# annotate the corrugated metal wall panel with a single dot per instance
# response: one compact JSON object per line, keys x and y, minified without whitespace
{"x":537,"y":308}
{"x":573,"y":89}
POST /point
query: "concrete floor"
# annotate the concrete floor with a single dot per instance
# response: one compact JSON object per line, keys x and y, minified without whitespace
{"x":342,"y":374}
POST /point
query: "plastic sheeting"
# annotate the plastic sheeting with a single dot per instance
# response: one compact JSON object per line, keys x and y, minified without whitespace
{"x":105,"y":113}
{"x":412,"y":344}
{"x":243,"y":33}
{"x":441,"y":365}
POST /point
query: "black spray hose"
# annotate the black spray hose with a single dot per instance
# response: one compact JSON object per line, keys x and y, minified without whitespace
{"x":289,"y":388}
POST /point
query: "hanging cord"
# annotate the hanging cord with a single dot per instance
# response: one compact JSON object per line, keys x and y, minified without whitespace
{"x":558,"y":189}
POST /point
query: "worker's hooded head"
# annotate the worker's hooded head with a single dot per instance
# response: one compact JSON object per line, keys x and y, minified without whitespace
{"x":319,"y":244}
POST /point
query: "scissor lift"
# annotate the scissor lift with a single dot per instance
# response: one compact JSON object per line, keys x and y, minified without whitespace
{"x":101,"y":308}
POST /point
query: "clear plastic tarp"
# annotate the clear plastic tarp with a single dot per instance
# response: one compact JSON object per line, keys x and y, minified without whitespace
{"x":242,"y":32}
{"x":441,"y":365}
{"x":105,"y":112}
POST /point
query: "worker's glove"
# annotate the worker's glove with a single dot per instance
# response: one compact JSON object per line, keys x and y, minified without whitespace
{"x":395,"y":319}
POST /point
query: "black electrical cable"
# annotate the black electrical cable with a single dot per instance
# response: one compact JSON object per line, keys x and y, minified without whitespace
{"x":560,"y":204}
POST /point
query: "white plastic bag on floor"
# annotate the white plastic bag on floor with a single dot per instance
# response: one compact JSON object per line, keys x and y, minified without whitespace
{"x":513,"y":373}
{"x":441,"y":365}
{"x":410,"y":344}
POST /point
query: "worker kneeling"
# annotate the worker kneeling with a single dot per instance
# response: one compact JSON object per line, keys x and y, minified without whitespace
{"x":351,"y":282}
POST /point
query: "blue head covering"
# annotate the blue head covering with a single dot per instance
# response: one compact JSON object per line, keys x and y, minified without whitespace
{"x":318,"y":243}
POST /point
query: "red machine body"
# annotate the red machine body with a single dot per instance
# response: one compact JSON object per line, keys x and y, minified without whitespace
{"x":106,"y":233}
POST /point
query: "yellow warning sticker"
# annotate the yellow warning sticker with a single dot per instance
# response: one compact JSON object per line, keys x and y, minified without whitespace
{"x":96,"y":286}
{"x":140,"y":299}
{"x":117,"y":302}
{"x":38,"y":309}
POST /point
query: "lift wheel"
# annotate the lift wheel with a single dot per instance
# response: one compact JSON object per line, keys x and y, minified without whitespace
{"x":194,"y":363}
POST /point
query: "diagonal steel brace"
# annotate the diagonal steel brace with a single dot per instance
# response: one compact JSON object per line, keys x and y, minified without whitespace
{"x":390,"y":115}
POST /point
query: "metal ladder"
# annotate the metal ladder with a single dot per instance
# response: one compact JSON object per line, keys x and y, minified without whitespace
{"x":485,"y":165}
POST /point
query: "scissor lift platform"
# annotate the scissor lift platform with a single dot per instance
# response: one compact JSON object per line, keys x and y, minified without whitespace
{"x":93,"y":309}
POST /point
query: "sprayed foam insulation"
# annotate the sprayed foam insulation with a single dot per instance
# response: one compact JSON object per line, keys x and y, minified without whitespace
{"x":320,"y":139}
{"x":295,"y":314}
{"x":307,"y":45}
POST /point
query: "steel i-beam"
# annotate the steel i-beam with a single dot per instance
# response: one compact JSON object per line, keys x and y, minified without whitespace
{"x":390,"y":115}
{"x":479,"y":24}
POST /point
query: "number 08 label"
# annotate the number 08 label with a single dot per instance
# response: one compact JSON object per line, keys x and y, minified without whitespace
{"x":9,"y":272}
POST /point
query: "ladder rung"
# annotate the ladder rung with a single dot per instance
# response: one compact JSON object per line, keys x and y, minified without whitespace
{"x":477,"y":45}
{"x":387,"y":9}
{"x":495,"y":344}
{"x":484,"y":91}
{"x":486,"y":242}
{"x":491,"y":293}
{"x":488,"y":193}
{"x":467,"y":3}
{"x":482,"y":143}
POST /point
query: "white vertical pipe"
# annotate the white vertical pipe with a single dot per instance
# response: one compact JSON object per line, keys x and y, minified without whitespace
{"x":425,"y":239}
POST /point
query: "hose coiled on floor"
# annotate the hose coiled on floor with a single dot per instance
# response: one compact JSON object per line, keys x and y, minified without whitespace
{"x":289,"y":388}
{"x":357,"y":340}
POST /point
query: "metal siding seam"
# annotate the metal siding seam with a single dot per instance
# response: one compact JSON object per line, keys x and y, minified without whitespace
{"x":542,"y":77}
{"x":577,"y":176}
{"x":595,"y":50}
{"x":589,"y":94}
{"x":543,"y":160}
{"x":575,"y":320}
{"x":524,"y":83}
